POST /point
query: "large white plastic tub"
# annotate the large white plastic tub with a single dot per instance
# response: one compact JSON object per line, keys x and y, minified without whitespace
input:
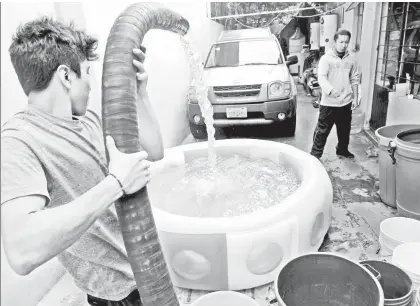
{"x":234,"y":253}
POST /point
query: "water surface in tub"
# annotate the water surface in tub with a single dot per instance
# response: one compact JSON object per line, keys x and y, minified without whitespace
{"x":237,"y":185}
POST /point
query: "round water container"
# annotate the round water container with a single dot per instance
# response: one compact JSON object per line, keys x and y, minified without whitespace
{"x":295,"y":45}
{"x":296,"y":41}
{"x":326,"y":279}
{"x":396,"y":284}
{"x":407,"y":173}
{"x":406,"y":257}
{"x":329,"y":24}
{"x":387,"y":182}
{"x":315,"y":39}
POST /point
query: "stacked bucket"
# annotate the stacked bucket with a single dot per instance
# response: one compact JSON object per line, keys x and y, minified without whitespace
{"x":323,"y":278}
{"x":395,"y":282}
{"x":399,"y":237}
{"x":397,"y":231}
{"x":407,"y":257}
{"x":399,"y":187}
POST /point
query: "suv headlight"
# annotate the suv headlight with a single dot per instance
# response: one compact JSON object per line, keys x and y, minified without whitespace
{"x":279,"y":90}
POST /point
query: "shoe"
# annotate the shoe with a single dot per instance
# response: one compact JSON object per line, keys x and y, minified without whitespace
{"x":346,"y":154}
{"x":315,"y":155}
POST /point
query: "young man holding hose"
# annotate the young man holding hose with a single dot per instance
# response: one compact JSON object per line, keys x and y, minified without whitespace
{"x":338,"y":76}
{"x":57,"y":189}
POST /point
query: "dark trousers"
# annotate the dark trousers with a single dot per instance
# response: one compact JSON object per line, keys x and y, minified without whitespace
{"x":328,"y":116}
{"x":133,"y":299}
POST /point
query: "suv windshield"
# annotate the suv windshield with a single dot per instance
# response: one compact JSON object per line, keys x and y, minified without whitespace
{"x":248,"y":52}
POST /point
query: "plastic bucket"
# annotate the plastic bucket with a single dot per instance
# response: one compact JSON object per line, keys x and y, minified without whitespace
{"x":396,"y":284}
{"x":406,"y":257}
{"x":225,"y":298}
{"x":387,"y":184}
{"x":407,"y":156}
{"x":398,"y":230}
{"x":326,"y":279}
{"x":295,"y":45}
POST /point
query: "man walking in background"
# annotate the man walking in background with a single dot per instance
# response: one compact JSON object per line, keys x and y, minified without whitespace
{"x":338,"y":76}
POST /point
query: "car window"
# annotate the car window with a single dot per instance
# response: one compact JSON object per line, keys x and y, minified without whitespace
{"x":239,"y":53}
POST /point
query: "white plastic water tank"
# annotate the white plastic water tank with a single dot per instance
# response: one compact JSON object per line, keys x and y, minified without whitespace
{"x":315,"y":35}
{"x":328,"y":28}
{"x":296,"y":41}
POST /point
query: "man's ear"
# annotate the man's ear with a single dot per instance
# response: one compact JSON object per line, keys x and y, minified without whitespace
{"x":64,"y":74}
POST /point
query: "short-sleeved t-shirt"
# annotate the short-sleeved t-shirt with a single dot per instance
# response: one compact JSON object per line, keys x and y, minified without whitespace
{"x":61,"y":160}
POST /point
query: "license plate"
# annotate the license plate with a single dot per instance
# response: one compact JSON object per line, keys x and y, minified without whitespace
{"x":237,"y":112}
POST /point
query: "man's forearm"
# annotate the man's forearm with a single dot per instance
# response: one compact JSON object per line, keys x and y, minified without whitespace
{"x":149,"y":130}
{"x":48,"y":232}
{"x":325,"y":84}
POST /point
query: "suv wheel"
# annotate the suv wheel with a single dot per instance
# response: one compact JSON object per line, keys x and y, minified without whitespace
{"x":289,"y":126}
{"x":286,"y":128}
{"x":198,"y":131}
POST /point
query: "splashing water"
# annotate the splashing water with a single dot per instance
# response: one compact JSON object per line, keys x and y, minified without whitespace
{"x":225,"y":185}
{"x":238,"y":185}
{"x":201,"y":94}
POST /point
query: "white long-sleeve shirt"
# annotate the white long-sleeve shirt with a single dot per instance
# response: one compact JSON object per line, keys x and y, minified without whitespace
{"x":339,"y":73}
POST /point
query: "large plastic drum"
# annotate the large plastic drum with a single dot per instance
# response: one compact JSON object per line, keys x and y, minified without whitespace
{"x":326,"y":279}
{"x":387,"y":184}
{"x":407,"y":157}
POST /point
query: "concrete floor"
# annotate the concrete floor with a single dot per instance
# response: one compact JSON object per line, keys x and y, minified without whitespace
{"x":357,"y":208}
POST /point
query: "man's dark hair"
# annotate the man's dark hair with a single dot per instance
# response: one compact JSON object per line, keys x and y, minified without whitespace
{"x":39,"y":47}
{"x":342,"y":32}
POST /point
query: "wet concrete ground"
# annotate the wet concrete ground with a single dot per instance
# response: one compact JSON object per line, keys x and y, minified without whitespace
{"x":357,"y":208}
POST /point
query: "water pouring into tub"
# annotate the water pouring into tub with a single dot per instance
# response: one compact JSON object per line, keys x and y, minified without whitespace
{"x":257,"y":202}
{"x":219,"y":184}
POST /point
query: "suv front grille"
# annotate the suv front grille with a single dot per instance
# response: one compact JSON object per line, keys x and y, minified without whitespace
{"x":237,"y":91}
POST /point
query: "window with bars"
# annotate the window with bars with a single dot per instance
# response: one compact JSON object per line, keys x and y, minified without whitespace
{"x":399,"y":44}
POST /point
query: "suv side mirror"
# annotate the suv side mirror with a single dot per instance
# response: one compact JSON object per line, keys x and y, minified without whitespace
{"x":291,"y":60}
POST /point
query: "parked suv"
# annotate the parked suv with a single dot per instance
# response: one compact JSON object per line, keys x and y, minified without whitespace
{"x":249,"y":84}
